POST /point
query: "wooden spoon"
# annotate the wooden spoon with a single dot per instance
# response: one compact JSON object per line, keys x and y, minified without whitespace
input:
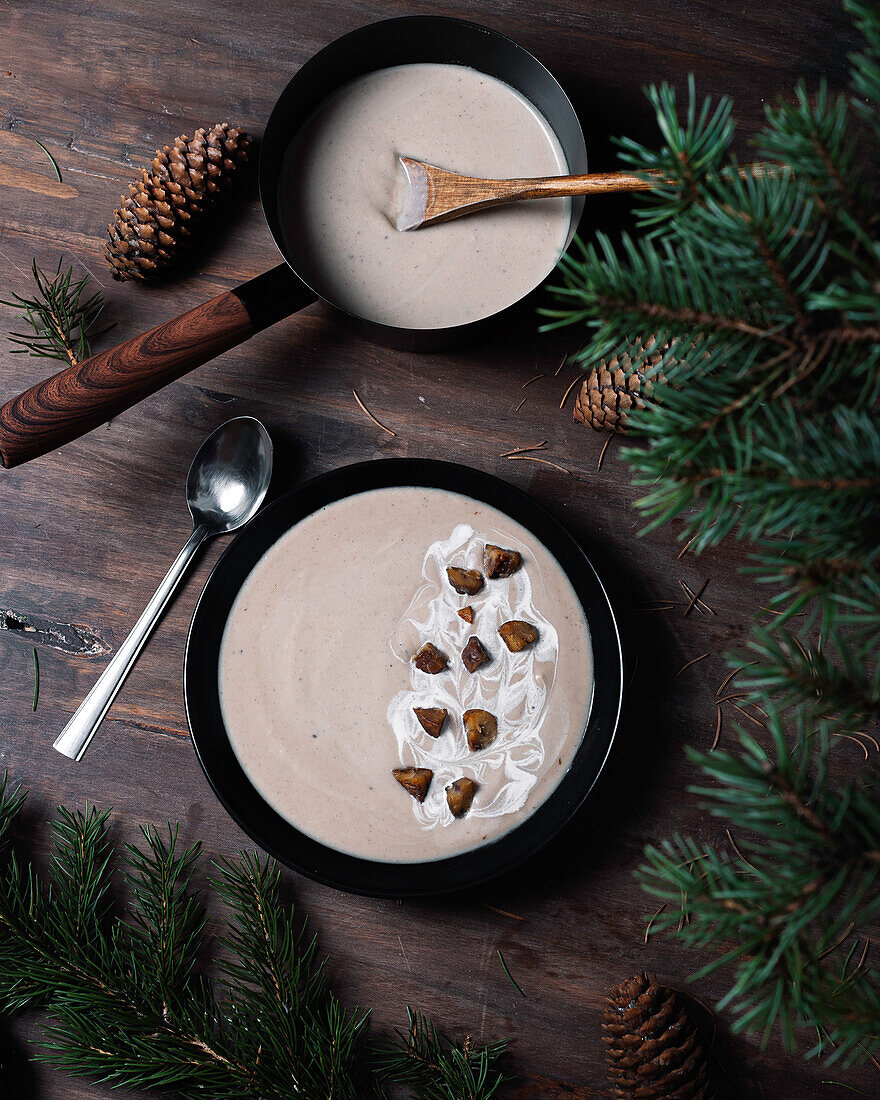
{"x":429,"y":194}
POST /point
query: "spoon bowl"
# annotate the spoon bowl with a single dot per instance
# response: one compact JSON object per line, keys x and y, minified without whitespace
{"x":229,"y":476}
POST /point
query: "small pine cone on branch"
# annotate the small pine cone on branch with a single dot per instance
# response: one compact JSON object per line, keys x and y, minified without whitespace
{"x":611,"y":389}
{"x":653,"y":1049}
{"x":164,"y":205}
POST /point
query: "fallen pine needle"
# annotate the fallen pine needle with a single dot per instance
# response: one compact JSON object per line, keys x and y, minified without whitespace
{"x":694,"y":598}
{"x":546,"y":462}
{"x":843,"y":1085}
{"x":849,"y":737}
{"x":524,"y":450}
{"x":688,"y":665}
{"x":750,"y":717}
{"x":503,"y":912}
{"x":534,"y":378}
{"x":513,"y":980}
{"x":700,"y":604}
{"x":660,"y":606}
{"x":568,"y":391}
{"x":651,"y":921}
{"x":728,"y":678}
{"x":836,"y":943}
{"x":51,"y":158}
{"x":684,"y":548}
{"x":717,"y":730}
{"x":873,"y":740}
{"x":520,"y":405}
{"x":736,"y":848}
{"x":561,"y":365}
{"x":602,"y":453}
{"x":370,"y":415}
{"x":37,"y":679}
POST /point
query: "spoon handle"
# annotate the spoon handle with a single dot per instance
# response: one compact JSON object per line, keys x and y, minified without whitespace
{"x":75,"y":737}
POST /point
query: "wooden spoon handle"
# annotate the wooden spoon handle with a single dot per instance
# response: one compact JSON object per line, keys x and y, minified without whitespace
{"x":77,"y":399}
{"x":596,"y":183}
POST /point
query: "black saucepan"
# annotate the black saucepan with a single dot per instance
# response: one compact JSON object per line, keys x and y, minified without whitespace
{"x":76,"y":400}
{"x":273,"y":832}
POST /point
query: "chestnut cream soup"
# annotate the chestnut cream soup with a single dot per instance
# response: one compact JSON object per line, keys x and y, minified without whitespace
{"x":319,"y":688}
{"x":341,"y":175}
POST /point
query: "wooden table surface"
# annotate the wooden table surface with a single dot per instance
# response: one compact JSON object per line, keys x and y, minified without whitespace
{"x":88,"y":531}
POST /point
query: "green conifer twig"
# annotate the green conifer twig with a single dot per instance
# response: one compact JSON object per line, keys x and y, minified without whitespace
{"x":765,"y":288}
{"x":131,"y":1007}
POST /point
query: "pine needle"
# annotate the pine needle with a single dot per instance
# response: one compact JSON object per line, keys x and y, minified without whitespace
{"x":513,"y":980}
{"x":534,"y":378}
{"x":579,"y":378}
{"x":718,"y":722}
{"x":855,"y":740}
{"x":602,"y":452}
{"x":36,"y":679}
{"x":686,"y":547}
{"x":524,"y":450}
{"x":731,"y":675}
{"x":545,"y":461}
{"x":651,"y":921}
{"x":503,"y":912}
{"x":695,"y":597}
{"x":520,"y":405}
{"x":561,"y":365}
{"x":683,"y":668}
{"x":378,"y":423}
{"x":49,"y":155}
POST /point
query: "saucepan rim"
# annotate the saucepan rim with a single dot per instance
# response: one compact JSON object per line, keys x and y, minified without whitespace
{"x":278,"y":136}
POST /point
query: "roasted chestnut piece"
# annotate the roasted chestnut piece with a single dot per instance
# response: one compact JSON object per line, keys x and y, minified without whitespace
{"x":460,"y":795}
{"x":467,"y":582}
{"x":414,"y":780}
{"x":431,"y":719}
{"x":473,"y":655}
{"x":481,"y":728}
{"x":429,"y":659}
{"x":517,"y":634}
{"x":499,"y":562}
{"x":466,"y":613}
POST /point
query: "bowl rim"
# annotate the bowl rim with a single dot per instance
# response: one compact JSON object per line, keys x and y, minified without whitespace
{"x":266,"y":826}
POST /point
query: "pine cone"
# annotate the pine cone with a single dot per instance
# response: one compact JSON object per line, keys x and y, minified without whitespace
{"x":610,"y":390}
{"x":653,"y":1050}
{"x":164,"y":205}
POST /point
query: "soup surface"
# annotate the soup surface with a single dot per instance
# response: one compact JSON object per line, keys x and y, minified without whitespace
{"x":341,"y":175}
{"x":318,"y":686}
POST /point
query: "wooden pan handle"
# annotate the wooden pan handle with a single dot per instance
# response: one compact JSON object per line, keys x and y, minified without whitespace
{"x":77,"y":399}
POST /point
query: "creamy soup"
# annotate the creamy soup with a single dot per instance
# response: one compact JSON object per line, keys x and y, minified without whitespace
{"x":341,"y":176}
{"x":318,"y":685}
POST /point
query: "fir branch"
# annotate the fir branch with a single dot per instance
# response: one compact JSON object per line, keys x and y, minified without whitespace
{"x":130,"y":1006}
{"x":436,"y":1069}
{"x":805,"y":871}
{"x":63,"y":317}
{"x":767,"y":427}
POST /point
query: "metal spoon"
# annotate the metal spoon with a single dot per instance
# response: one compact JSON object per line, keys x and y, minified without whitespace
{"x":225,"y":486}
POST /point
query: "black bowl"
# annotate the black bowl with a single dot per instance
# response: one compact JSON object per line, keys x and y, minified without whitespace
{"x":276,"y":835}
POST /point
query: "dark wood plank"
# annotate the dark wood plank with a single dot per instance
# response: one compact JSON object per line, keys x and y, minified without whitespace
{"x":88,"y":531}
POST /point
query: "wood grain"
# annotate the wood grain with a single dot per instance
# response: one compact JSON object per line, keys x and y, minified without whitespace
{"x":435,"y":195}
{"x":86,"y":394}
{"x":88,"y":531}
